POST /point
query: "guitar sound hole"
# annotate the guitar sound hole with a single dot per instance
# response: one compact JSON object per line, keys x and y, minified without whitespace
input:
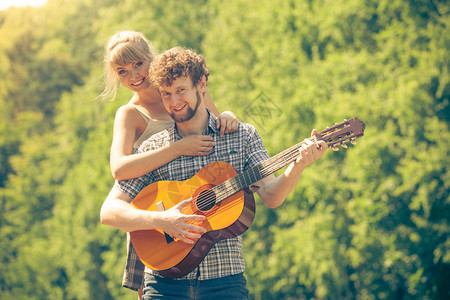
{"x":206,"y":200}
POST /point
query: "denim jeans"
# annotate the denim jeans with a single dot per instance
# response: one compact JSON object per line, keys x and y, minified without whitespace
{"x":230,"y":287}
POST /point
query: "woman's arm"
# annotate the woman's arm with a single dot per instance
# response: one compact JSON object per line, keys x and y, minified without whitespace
{"x":128,"y":125}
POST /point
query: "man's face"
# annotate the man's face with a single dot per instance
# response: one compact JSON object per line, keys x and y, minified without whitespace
{"x":181,"y":99}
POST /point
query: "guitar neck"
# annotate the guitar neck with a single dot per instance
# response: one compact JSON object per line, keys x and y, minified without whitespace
{"x":335,"y":135}
{"x":255,"y":173}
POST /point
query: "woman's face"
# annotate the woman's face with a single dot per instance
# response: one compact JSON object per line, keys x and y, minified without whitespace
{"x":134,"y":76}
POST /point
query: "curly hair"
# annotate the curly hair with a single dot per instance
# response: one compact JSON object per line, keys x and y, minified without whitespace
{"x":177,"y":62}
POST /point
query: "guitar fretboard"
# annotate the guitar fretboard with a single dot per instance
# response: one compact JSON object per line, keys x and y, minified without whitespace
{"x":255,"y":173}
{"x":338,"y":134}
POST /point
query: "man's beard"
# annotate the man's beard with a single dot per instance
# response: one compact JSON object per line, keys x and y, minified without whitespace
{"x":189,"y":113}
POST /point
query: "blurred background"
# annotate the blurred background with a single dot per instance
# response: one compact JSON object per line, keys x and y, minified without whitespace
{"x":367,"y":222}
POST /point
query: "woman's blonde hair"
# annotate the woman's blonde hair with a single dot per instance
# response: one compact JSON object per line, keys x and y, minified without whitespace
{"x":124,"y":47}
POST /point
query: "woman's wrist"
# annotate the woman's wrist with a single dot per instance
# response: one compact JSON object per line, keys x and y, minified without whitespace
{"x":175,"y":148}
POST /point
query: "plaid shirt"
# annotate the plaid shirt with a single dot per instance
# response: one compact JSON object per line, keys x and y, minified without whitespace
{"x":242,"y":149}
{"x":133,"y":275}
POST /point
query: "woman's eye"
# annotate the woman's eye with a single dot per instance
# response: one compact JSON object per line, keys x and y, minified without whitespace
{"x":121,"y":72}
{"x":139,"y":64}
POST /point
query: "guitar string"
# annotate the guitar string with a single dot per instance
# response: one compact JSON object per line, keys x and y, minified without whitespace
{"x":207,"y":201}
{"x":222,"y":209}
{"x":291,"y":154}
{"x":235,"y":182}
{"x":267,"y":167}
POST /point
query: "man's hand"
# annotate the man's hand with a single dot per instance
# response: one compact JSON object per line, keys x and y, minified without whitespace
{"x":181,"y":226}
{"x":310,"y":151}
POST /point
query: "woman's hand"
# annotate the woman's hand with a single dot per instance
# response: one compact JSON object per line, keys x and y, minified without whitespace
{"x":227,"y":122}
{"x":195,"y":145}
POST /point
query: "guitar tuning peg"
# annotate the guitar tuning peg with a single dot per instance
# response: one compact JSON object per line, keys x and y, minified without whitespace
{"x":334,"y":148}
{"x":344,"y":145}
{"x":352,"y":141}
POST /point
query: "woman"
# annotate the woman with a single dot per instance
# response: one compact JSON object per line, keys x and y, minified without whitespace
{"x":127,"y":59}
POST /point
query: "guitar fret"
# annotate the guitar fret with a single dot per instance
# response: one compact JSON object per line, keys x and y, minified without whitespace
{"x":255,"y":173}
{"x":282,"y":159}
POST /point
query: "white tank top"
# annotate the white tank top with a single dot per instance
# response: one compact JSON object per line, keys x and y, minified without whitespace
{"x":153,"y":126}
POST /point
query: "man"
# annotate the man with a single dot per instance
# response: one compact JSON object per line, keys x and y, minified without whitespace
{"x":181,"y":77}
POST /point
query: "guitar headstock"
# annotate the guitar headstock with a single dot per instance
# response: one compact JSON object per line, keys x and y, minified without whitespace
{"x":340,"y":134}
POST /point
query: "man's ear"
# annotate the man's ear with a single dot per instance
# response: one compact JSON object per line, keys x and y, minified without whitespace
{"x":201,"y":84}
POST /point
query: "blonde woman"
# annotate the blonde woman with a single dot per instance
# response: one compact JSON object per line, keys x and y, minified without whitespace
{"x":128,"y":56}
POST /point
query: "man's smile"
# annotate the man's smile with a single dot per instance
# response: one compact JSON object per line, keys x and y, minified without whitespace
{"x":176,"y":109}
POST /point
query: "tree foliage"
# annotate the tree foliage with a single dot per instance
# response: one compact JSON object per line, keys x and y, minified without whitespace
{"x":369,"y":222}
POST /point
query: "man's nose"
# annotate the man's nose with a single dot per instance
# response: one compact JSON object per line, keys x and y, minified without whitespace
{"x":174,"y":99}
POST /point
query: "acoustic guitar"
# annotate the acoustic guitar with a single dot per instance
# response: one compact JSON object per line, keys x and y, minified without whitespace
{"x":220,"y":194}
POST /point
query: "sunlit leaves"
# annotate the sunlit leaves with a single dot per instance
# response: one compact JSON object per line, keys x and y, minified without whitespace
{"x":369,"y":222}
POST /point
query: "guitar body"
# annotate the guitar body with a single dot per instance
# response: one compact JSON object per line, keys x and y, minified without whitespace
{"x":225,"y":219}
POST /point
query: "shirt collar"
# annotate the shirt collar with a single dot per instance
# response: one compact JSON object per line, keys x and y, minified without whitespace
{"x":212,"y":123}
{"x":210,"y":128}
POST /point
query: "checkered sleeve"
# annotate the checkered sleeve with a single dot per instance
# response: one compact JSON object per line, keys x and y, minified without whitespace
{"x":133,"y":186}
{"x":133,"y":275}
{"x":255,"y":152}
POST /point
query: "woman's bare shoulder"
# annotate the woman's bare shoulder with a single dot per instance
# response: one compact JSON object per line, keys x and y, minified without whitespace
{"x":127,"y":110}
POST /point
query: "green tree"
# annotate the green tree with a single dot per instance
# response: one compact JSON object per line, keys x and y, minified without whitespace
{"x":369,"y":222}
